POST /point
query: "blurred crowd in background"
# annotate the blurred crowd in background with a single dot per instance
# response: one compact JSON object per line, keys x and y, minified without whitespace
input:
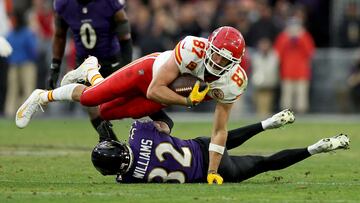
{"x":282,"y":37}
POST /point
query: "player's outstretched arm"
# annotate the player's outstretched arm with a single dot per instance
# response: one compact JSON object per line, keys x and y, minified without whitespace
{"x":218,"y":140}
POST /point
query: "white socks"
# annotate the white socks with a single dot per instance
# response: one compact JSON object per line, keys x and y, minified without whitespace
{"x":315,"y":148}
{"x":63,"y":93}
{"x":312,"y":149}
{"x":94,"y":77}
{"x":267,"y":124}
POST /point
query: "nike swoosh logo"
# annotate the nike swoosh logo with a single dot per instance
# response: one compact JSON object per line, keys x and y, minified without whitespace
{"x":20,"y":114}
{"x":115,"y":64}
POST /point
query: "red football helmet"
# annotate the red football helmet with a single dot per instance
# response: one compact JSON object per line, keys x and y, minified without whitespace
{"x":228,"y":43}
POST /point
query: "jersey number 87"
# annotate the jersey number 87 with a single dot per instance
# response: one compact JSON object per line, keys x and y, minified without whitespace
{"x":237,"y":78}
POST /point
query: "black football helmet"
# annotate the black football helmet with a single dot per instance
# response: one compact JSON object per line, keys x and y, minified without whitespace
{"x":112,"y":157}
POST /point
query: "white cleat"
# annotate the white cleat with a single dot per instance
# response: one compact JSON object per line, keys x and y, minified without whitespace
{"x":340,"y":141}
{"x":28,"y":109}
{"x":80,"y":74}
{"x":282,"y":118}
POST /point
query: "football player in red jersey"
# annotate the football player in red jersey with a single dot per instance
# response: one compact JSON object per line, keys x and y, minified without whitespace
{"x":141,"y":87}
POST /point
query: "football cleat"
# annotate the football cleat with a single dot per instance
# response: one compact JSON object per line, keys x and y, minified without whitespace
{"x":29,"y":108}
{"x":282,"y":118}
{"x":79,"y":75}
{"x":340,"y":141}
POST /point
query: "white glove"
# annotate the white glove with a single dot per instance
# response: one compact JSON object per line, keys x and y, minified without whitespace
{"x":5,"y":47}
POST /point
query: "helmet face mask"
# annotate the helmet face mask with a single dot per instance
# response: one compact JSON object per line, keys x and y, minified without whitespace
{"x":112,"y":157}
{"x":228,"y":43}
{"x":216,"y":68}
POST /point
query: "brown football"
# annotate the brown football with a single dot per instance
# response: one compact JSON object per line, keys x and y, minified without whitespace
{"x":184,"y":84}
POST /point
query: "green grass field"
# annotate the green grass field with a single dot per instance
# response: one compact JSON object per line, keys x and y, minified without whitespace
{"x":50,"y":162}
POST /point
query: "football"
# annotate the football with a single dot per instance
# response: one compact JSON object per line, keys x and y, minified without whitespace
{"x":184,"y":84}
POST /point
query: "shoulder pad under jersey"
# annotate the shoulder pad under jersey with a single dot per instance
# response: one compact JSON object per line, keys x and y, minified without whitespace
{"x":59,"y":5}
{"x":116,"y":5}
{"x":189,"y":54}
{"x":229,"y":87}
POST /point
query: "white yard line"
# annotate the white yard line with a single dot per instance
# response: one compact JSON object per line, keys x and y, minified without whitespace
{"x":46,"y":153}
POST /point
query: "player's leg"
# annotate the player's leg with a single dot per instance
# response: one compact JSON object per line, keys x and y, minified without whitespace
{"x":239,"y":168}
{"x":94,"y":76}
{"x":67,"y":92}
{"x":88,"y":71}
{"x":102,"y":127}
{"x":40,"y":98}
{"x":138,"y":74}
{"x":238,"y":136}
{"x":135,"y":107}
{"x":130,"y":80}
{"x":115,"y":94}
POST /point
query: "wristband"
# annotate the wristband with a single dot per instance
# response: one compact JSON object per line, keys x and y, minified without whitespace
{"x":188,"y":102}
{"x":212,"y":172}
{"x":216,"y":148}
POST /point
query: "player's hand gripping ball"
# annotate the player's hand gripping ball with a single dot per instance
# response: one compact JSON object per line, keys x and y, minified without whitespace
{"x":192,"y":87}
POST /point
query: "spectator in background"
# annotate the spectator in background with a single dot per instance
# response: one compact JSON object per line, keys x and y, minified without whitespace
{"x":354,"y":85}
{"x":295,"y":47}
{"x":206,"y":18}
{"x":5,"y":8}
{"x":41,"y":15}
{"x":264,"y":27}
{"x":281,"y":13}
{"x":265,"y":71}
{"x":22,"y":72}
{"x":230,"y":17}
{"x":156,"y":36}
{"x":187,"y":20}
{"x":349,"y":32}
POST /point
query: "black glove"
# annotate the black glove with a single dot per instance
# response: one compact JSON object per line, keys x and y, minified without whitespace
{"x":54,"y":73}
